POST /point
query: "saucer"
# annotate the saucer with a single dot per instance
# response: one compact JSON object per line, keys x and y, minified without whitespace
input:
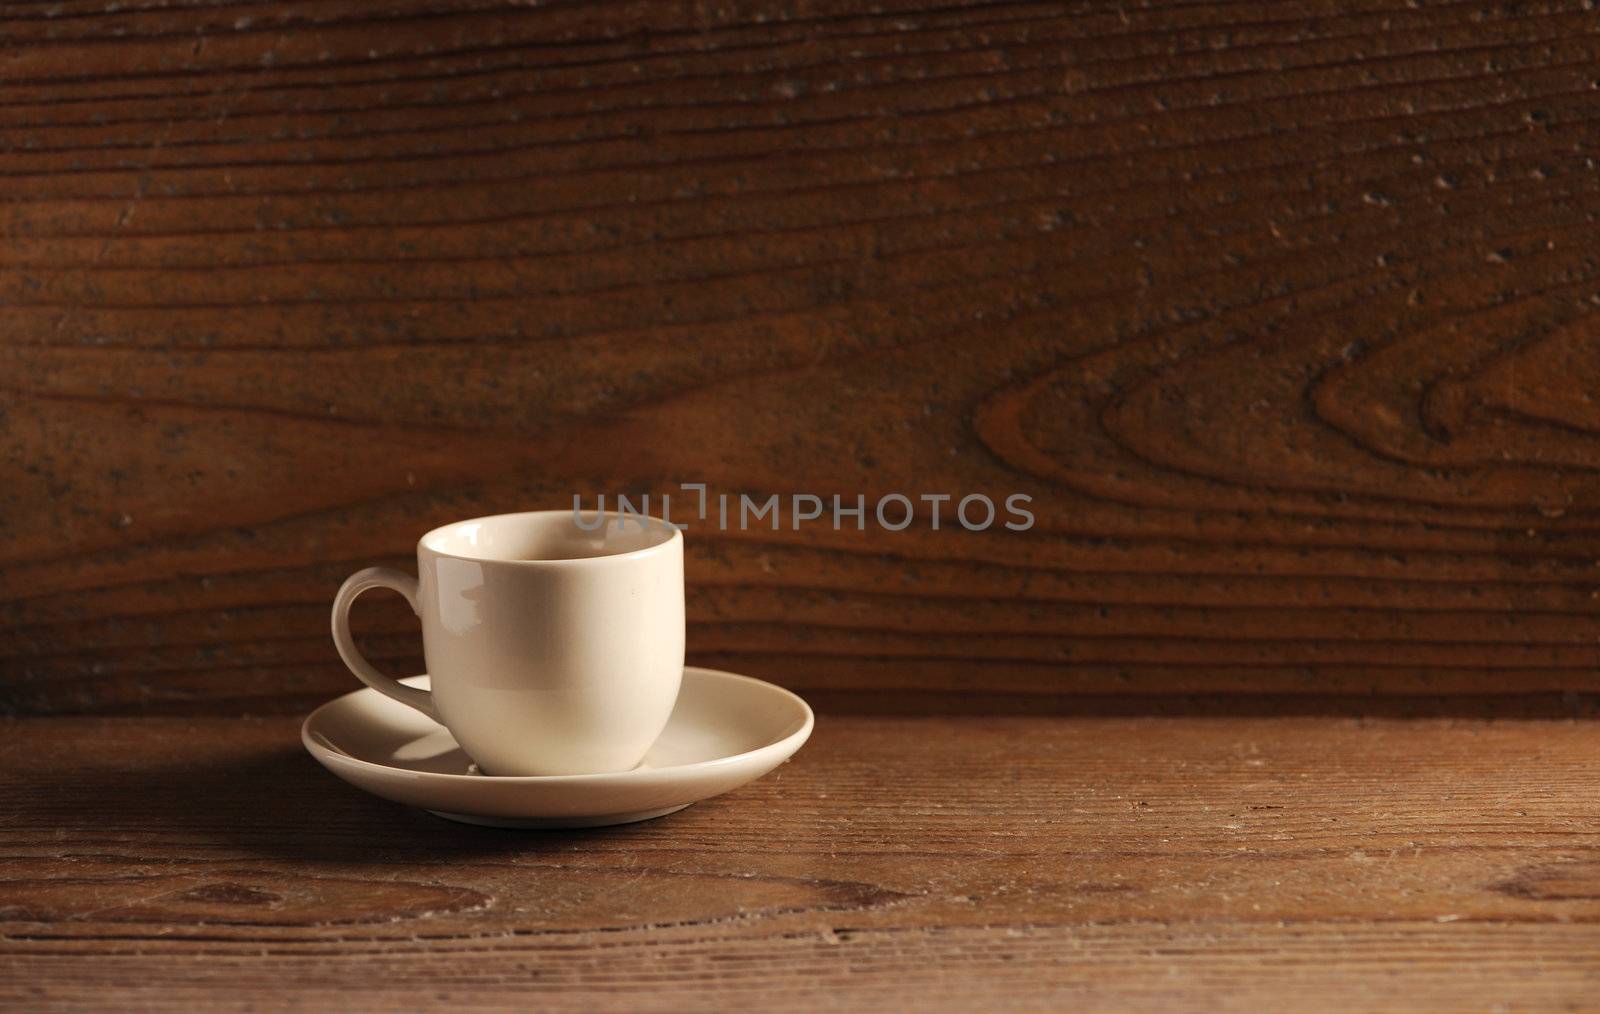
{"x":726,"y":730}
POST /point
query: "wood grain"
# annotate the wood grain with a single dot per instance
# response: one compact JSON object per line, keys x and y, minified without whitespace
{"x":1284,"y":316}
{"x":1147,"y":863}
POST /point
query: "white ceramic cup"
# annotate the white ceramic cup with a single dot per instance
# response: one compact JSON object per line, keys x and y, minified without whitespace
{"x":552,"y":649}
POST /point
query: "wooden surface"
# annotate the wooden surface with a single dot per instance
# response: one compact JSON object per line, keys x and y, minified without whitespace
{"x":1240,"y":864}
{"x":1284,"y":315}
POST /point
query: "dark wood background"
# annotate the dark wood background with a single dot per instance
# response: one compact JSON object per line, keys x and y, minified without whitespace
{"x":1283,"y":313}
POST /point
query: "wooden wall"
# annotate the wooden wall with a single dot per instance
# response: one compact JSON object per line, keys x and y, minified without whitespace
{"x":1283,"y":313}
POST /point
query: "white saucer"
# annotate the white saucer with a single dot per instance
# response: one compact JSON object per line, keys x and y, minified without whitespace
{"x":726,"y":730}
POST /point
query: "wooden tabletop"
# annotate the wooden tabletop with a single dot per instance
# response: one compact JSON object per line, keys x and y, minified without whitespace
{"x":946,"y":862}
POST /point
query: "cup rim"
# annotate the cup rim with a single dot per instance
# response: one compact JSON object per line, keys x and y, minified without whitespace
{"x":675,"y":538}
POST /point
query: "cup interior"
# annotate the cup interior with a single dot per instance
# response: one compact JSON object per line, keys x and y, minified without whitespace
{"x":550,"y":536}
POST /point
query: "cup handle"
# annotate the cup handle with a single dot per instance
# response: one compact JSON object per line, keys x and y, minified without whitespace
{"x":355,"y":584}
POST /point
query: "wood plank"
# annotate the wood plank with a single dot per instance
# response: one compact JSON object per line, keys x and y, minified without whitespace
{"x":1145,"y":863}
{"x":1284,"y":318}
